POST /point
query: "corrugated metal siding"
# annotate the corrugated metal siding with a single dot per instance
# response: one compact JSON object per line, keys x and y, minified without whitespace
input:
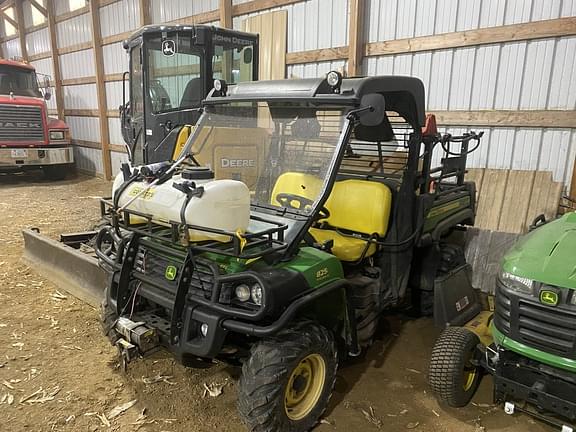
{"x":88,"y":159}
{"x":117,"y":160}
{"x":398,"y":19}
{"x":170,"y":10}
{"x":74,"y":31}
{"x":43,"y":66}
{"x":115,"y":133}
{"x":84,"y":128}
{"x":312,"y":24}
{"x":314,"y":70}
{"x":114,"y":94}
{"x":81,"y":97}
{"x":11,"y":48}
{"x":522,"y":149}
{"x":115,"y":58}
{"x":38,"y":42}
{"x":77,"y":64}
{"x":518,"y":75}
{"x":119,"y":17}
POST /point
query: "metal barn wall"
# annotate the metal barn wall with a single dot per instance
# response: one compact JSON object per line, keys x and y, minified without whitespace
{"x":527,"y":75}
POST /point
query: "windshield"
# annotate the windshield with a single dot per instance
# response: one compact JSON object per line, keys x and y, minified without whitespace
{"x":174,"y":78}
{"x":20,"y":81}
{"x":282,"y":153}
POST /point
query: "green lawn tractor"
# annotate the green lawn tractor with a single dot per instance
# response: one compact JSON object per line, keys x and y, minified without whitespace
{"x":529,"y":344}
{"x":298,"y":212}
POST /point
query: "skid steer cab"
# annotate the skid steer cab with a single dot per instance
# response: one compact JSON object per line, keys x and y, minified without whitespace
{"x":284,"y":261}
{"x":172,"y":69}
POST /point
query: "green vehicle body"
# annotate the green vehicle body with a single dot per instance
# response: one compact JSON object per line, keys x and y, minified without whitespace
{"x":547,"y":255}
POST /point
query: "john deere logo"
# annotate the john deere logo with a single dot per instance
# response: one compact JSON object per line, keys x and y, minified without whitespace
{"x":549,"y":298}
{"x":170,"y":272}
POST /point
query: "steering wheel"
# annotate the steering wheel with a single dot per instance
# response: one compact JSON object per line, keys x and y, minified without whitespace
{"x":286,"y":200}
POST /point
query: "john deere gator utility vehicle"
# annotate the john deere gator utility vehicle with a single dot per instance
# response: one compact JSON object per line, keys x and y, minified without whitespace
{"x":172,"y":69}
{"x":298,"y":212}
{"x":529,"y":344}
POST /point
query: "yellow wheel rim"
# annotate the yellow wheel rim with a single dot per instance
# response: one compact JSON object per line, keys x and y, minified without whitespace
{"x":304,"y":387}
{"x":469,"y":374}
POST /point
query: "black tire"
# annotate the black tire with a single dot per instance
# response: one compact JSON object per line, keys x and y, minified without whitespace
{"x":108,"y":319}
{"x":266,"y":375}
{"x":450,"y":373}
{"x":55,"y":172}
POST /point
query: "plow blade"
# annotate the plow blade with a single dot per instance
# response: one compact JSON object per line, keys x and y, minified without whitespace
{"x":76,"y":272}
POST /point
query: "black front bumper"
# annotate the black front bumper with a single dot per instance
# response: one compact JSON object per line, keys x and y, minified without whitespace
{"x":518,"y":378}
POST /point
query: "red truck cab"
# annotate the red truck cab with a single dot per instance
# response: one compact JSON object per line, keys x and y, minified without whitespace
{"x":28,"y":137}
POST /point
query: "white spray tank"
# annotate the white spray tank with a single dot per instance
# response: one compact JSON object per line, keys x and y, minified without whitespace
{"x":216,"y":204}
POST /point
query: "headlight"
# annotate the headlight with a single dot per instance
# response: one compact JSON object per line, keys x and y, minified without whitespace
{"x":256,"y":294}
{"x":573,"y":297}
{"x":56,"y":135}
{"x":242,"y":292}
{"x":517,"y":283}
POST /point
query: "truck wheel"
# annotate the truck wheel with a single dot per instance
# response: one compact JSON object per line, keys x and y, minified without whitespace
{"x":55,"y":172}
{"x":288,"y":380}
{"x":452,"y":376}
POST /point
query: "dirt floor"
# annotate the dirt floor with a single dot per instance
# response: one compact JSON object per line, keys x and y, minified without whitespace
{"x":58,"y":373}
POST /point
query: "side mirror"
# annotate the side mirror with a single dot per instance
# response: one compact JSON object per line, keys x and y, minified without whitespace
{"x":47,"y":95}
{"x":375,"y":115}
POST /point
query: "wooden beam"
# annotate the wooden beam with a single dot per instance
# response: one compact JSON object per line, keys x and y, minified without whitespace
{"x":319,"y":55}
{"x":40,"y":56}
{"x":573,"y":182}
{"x":36,"y":27}
{"x":100,"y":87}
{"x":4,"y":15}
{"x":526,"y":118}
{"x":356,"y":37}
{"x":104,"y":3}
{"x":116,"y":38}
{"x":509,"y":33}
{"x":490,"y":35}
{"x":38,"y":6}
{"x":82,"y":112}
{"x":73,"y":14}
{"x":225,"y":13}
{"x":260,"y":5}
{"x":144,"y":7}
{"x":6,"y":4}
{"x":21,"y":30}
{"x":74,"y":48}
{"x":201,"y":18}
{"x":55,"y":61}
{"x":79,"y":81}
{"x":8,"y":38}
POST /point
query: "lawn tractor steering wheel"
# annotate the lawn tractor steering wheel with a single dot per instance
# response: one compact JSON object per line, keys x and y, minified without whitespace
{"x":286,"y":200}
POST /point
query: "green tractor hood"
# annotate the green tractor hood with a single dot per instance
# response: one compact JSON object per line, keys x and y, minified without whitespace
{"x":547,"y":254}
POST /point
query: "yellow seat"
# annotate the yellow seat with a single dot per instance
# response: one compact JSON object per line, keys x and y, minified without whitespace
{"x":295,"y":183}
{"x":360,"y":207}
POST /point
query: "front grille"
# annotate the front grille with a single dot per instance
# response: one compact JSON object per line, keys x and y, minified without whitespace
{"x":21,"y":123}
{"x":154,"y":266}
{"x":547,"y":328}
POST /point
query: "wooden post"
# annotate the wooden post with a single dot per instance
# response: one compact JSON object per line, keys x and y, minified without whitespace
{"x":55,"y":60}
{"x":356,"y":37}
{"x":226,"y":14}
{"x":144,"y":12}
{"x":573,"y":182}
{"x":38,"y":6}
{"x":21,"y":30}
{"x":101,"y":87}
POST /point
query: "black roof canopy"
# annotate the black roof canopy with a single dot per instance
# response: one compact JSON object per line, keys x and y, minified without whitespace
{"x":403,"y":94}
